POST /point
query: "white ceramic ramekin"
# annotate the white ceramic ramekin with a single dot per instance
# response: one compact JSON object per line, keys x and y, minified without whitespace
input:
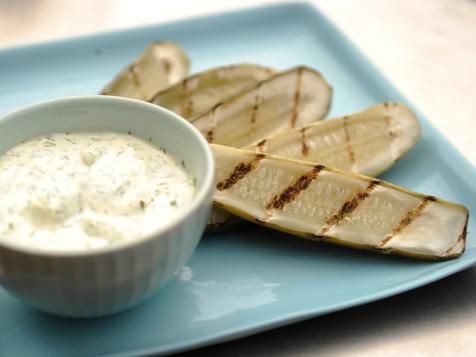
{"x":104,"y":281}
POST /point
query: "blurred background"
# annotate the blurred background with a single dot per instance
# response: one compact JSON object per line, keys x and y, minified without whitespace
{"x":426,"y":48}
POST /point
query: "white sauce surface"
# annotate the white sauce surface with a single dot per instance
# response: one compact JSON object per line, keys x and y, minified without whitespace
{"x":82,"y":191}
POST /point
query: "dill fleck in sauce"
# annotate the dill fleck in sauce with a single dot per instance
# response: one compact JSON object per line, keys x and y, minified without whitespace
{"x":82,"y":191}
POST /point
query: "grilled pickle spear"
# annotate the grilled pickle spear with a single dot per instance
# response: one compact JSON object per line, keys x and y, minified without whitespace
{"x":286,"y":100}
{"x":159,"y":66}
{"x":368,"y":142}
{"x":318,"y":202}
{"x":202,"y":91}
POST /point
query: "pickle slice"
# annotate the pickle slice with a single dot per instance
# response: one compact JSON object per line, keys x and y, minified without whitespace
{"x":368,"y":142}
{"x":202,"y":91}
{"x":160,"y":65}
{"x":317,"y":202}
{"x":286,"y":100}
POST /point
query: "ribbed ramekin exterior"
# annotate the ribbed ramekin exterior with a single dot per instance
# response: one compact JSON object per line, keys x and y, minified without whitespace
{"x":101,"y":283}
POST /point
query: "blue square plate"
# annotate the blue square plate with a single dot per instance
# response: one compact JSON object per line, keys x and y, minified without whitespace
{"x":248,"y":280}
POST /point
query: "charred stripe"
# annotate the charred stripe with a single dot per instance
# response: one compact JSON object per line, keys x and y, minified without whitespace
{"x":304,"y":147}
{"x":186,"y":104}
{"x":210,"y":133}
{"x":347,"y":140}
{"x":388,"y":122}
{"x":297,"y":97}
{"x":348,"y":207}
{"x":461,"y":237}
{"x":256,"y":104}
{"x":261,"y":145}
{"x":290,"y":193}
{"x":240,"y":171}
{"x":167,"y":65}
{"x":407,"y":220}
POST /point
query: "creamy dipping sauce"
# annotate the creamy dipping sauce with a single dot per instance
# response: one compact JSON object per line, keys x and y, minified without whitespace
{"x":82,"y":191}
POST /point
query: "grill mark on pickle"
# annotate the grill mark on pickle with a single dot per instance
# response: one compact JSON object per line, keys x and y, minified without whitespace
{"x":210,"y":134}
{"x":186,"y":104}
{"x":348,"y":207}
{"x":461,"y":237}
{"x":256,"y":104}
{"x":388,"y":122}
{"x":297,"y":97}
{"x":407,"y":220}
{"x":261,"y":145}
{"x":291,"y":192}
{"x":134,"y":77}
{"x":240,"y":171}
{"x":167,"y":65}
{"x":133,"y":73}
{"x":350,"y":151}
{"x":304,"y":147}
